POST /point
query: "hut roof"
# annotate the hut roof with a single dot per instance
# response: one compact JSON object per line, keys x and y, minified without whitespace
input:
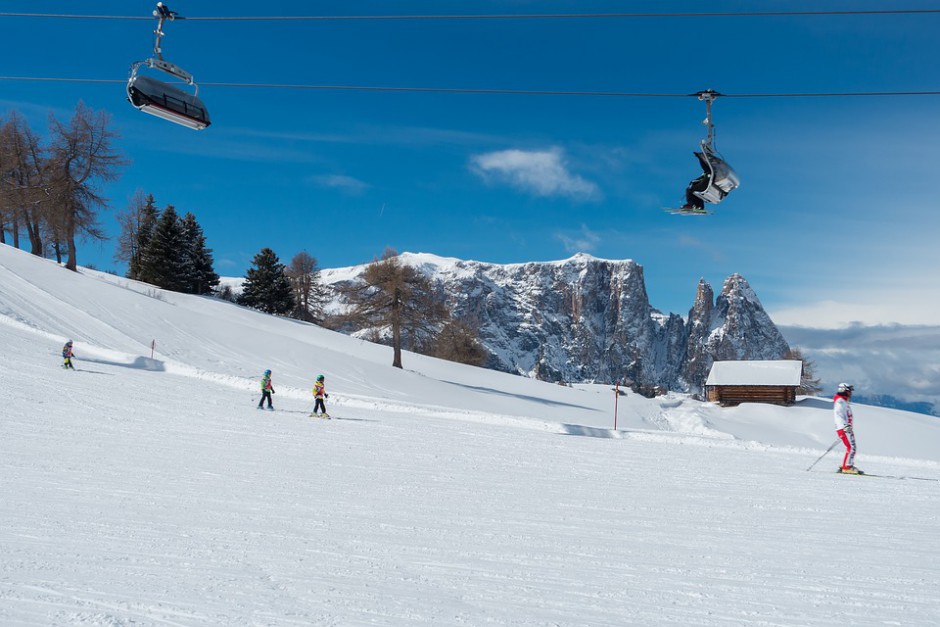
{"x":772,"y":372}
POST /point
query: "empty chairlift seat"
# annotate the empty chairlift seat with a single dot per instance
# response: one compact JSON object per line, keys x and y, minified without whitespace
{"x":167,"y":101}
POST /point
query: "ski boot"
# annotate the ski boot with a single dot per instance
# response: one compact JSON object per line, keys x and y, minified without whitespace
{"x":850,"y":470}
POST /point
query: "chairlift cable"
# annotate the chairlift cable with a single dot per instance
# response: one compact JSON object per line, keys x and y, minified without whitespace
{"x":521,"y":16}
{"x":519,"y":92}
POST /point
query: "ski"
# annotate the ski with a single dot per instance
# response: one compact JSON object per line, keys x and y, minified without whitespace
{"x":902,"y":477}
{"x":898,"y":477}
{"x":687,"y":211}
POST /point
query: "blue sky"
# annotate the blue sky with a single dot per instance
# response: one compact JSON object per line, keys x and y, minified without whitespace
{"x":836,"y":218}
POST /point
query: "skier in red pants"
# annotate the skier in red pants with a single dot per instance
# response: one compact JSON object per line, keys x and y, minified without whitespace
{"x":842,"y":411}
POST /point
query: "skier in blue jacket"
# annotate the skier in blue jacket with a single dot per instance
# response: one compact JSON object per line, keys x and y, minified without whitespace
{"x":267,"y":389}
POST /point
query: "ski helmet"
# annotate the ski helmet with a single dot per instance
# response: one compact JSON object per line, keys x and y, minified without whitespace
{"x":69,"y":343}
{"x":845,"y":388}
{"x":319,"y":377}
{"x":267,"y":371}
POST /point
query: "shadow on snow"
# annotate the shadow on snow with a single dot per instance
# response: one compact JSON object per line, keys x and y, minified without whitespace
{"x":590,"y":432}
{"x":524,"y":397}
{"x":141,"y":363}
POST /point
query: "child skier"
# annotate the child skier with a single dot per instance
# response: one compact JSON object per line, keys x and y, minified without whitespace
{"x":266,"y":390}
{"x":842,"y":411}
{"x":67,"y":356}
{"x":319,"y":393}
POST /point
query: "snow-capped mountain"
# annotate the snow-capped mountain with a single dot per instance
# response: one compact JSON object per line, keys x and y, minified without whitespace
{"x":585,"y":319}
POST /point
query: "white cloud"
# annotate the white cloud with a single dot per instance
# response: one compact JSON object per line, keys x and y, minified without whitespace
{"x":581,"y":242}
{"x":895,"y":360}
{"x":339,"y":181}
{"x":838,"y":314}
{"x":897,"y":300}
{"x":543,"y":173}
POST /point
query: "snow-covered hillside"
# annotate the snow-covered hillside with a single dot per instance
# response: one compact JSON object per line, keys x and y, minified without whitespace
{"x":150,"y":491}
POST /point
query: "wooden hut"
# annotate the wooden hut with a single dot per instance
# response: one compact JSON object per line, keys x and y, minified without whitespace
{"x":773,"y":381}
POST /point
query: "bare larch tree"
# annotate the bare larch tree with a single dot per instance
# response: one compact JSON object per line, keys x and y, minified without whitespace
{"x":309,"y":293}
{"x":395,"y":296}
{"x":82,"y":155}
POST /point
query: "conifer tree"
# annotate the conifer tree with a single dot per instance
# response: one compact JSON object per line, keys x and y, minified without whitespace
{"x":162,"y":264}
{"x":266,"y":286}
{"x":197,"y":269}
{"x":137,"y":224}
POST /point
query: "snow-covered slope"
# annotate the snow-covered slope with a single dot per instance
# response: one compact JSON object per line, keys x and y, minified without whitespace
{"x":149,"y":491}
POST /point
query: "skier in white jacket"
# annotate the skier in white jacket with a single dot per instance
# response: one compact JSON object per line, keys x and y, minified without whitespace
{"x":842,"y":411}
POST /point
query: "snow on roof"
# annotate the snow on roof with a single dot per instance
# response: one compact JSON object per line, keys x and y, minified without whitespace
{"x":770,"y":372}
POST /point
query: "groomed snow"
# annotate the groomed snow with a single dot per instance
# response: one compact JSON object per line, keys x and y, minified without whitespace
{"x":150,"y":491}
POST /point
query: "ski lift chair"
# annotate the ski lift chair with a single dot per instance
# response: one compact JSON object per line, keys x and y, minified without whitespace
{"x":718,"y":179}
{"x":167,"y":101}
{"x":161,"y":99}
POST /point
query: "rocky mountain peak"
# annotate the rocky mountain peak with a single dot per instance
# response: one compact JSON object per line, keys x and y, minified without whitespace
{"x":585,"y":319}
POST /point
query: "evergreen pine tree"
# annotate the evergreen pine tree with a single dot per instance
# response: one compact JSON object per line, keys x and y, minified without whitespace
{"x":163,"y":264}
{"x":141,"y":223}
{"x":186,"y":280}
{"x":197,"y":269}
{"x":266,"y":286}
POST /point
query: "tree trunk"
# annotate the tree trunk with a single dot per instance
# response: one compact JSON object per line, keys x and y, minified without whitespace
{"x":396,"y":331}
{"x":72,"y":263}
{"x":35,"y":236}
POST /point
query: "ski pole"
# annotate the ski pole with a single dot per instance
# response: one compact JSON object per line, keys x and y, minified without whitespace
{"x":823,"y":455}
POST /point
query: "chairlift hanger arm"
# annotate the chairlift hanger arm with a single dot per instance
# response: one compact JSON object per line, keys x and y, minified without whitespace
{"x":162,"y":13}
{"x":709,"y":96}
{"x":157,"y":62}
{"x":165,"y":100}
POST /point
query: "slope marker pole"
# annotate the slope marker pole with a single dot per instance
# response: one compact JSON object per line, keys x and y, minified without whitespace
{"x":616,"y":399}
